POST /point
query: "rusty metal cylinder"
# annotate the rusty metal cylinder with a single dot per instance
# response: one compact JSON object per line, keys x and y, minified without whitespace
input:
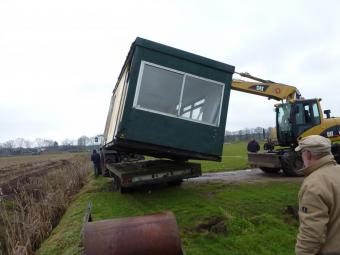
{"x":150,"y":234}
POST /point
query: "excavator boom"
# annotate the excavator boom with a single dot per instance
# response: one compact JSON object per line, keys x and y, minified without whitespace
{"x":266,"y":88}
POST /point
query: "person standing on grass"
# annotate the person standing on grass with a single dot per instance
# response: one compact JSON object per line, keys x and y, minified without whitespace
{"x":319,"y":199}
{"x":95,"y":158}
{"x":253,"y":146}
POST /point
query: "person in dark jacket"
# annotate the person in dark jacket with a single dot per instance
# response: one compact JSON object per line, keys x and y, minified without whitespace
{"x":95,"y":158}
{"x":269,"y":145}
{"x":253,"y":146}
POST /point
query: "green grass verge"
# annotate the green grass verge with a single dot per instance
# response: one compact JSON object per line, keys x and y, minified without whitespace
{"x":234,"y":157}
{"x":253,"y":214}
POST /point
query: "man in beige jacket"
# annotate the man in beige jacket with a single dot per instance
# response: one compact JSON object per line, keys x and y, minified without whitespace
{"x":319,"y":199}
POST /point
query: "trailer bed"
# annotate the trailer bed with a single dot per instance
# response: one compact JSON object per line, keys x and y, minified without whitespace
{"x":131,"y":174}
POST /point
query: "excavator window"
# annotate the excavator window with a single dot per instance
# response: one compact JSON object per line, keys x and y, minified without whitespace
{"x":299,"y":114}
{"x":308,"y":118}
{"x":306,"y":113}
{"x":316,"y":114}
{"x":284,"y":123}
{"x":283,"y":117}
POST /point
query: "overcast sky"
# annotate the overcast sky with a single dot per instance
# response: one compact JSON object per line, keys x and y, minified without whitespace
{"x":59,"y":60}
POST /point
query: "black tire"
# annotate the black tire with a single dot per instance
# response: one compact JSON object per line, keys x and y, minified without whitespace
{"x":115,"y":182}
{"x":175,"y":182}
{"x":105,"y":172}
{"x":124,"y":190}
{"x":291,"y":163}
{"x":102,"y":161}
{"x":117,"y":185}
{"x":336,"y":152}
{"x":270,"y":170}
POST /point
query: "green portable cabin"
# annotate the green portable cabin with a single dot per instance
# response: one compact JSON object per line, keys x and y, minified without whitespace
{"x":169,"y":103}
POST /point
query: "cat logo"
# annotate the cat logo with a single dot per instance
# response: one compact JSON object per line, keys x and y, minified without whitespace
{"x":260,"y":88}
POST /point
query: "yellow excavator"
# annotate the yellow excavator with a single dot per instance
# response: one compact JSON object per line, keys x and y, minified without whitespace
{"x":296,"y":117}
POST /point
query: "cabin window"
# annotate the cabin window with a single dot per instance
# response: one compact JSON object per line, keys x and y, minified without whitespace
{"x":202,"y":99}
{"x":160,"y":90}
{"x":178,"y":94}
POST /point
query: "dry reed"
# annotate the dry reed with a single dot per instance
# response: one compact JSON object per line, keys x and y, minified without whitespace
{"x":37,"y":206}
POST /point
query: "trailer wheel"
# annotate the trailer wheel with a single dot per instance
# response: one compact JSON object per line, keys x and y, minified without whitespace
{"x":291,"y":163}
{"x":104,"y":171}
{"x":124,"y":190}
{"x":115,"y":182}
{"x":175,"y":182}
{"x":117,"y":185}
{"x":270,"y":170}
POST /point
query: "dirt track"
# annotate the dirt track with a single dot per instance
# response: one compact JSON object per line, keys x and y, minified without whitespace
{"x":248,"y":175}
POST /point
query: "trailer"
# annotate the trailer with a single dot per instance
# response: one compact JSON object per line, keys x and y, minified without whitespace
{"x":131,"y":174}
{"x":167,"y":104}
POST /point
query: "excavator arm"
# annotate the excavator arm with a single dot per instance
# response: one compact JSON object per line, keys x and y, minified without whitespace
{"x":266,"y":88}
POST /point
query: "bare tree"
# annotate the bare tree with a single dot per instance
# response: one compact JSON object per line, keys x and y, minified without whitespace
{"x":39,"y":142}
{"x":19,"y":142}
{"x":67,"y":142}
{"x":9,"y":144}
{"x":83,"y":141}
{"x":28,"y":144}
{"x":48,"y":143}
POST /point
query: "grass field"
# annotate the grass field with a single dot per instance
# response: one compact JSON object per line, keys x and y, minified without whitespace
{"x":234,"y":157}
{"x":253,"y":214}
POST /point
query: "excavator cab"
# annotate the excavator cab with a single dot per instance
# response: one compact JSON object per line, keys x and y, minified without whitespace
{"x":294,"y":118}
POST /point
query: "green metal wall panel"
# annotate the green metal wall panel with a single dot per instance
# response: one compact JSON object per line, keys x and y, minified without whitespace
{"x":161,"y":130}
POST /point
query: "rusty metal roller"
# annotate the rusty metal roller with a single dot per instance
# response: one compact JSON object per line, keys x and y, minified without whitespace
{"x":150,"y":234}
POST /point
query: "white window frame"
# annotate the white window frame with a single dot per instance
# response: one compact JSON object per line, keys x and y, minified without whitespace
{"x":139,"y":81}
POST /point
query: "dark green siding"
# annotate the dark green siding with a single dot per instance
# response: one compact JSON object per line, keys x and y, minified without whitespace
{"x":152,"y":128}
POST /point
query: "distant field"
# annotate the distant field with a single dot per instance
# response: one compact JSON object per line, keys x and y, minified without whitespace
{"x":12,"y":168}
